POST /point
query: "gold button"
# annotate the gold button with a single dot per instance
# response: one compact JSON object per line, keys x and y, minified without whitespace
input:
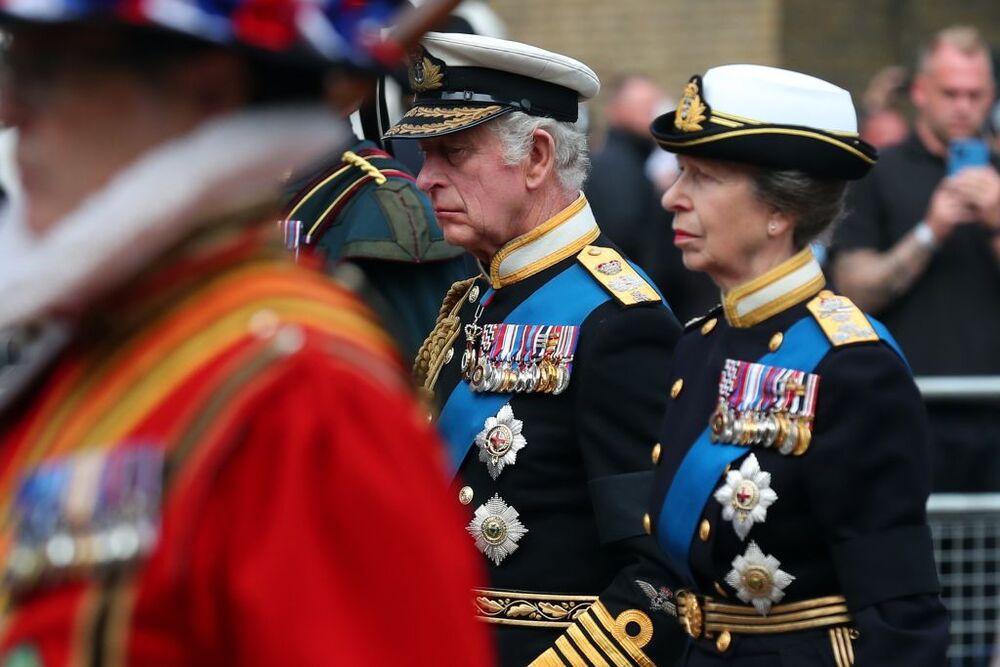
{"x":723,"y":641}
{"x":656,"y":453}
{"x":675,"y":390}
{"x":704,"y":530}
{"x":449,"y":355}
{"x":473,"y":293}
{"x":720,"y":590}
{"x":594,"y":252}
{"x":647,"y":524}
{"x":776,"y":341}
{"x":465,"y":495}
{"x":707,"y":327}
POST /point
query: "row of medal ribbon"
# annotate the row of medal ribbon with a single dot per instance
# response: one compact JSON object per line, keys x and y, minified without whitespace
{"x":765,"y":406}
{"x":94,"y":509}
{"x":521,"y":358}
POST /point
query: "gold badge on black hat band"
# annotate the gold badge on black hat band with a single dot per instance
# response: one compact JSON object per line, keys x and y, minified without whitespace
{"x":424,"y":73}
{"x":690,"y":110}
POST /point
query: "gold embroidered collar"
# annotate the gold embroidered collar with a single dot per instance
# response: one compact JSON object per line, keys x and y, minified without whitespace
{"x":791,"y":282}
{"x":561,"y":236}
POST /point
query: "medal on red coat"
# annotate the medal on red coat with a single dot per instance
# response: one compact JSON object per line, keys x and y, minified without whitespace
{"x":94,"y":509}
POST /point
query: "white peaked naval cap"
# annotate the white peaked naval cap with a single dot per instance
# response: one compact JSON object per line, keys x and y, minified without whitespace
{"x":461,"y":81}
{"x":769,"y":117}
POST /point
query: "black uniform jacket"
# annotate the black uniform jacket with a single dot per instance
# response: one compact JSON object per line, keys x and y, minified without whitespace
{"x":580,"y":483}
{"x":844,"y":517}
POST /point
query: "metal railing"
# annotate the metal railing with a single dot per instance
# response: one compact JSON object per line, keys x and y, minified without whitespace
{"x":959,"y":388}
{"x":966,"y":533}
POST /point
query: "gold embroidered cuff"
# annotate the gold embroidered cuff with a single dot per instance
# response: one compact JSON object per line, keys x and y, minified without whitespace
{"x":548,"y":610}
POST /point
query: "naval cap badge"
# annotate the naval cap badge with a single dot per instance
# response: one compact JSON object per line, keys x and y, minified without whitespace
{"x":496,"y":529}
{"x":746,"y":495}
{"x":690,"y":110}
{"x":424,"y":74}
{"x":500,"y":441}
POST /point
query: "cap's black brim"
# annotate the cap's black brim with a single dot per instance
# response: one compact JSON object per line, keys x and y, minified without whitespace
{"x":785,"y":147}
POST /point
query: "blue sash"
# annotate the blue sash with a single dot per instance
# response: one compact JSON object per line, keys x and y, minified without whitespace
{"x":567,"y":299}
{"x":695,"y":480}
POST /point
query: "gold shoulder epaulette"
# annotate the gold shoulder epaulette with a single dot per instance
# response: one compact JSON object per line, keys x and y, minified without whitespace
{"x":616,"y":275}
{"x":841,"y":321}
{"x":353,"y":159}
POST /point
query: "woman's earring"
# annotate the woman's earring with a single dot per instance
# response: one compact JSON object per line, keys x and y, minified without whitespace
{"x":771,"y":227}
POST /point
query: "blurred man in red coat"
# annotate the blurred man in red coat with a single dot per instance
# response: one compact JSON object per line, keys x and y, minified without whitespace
{"x":208,"y":455}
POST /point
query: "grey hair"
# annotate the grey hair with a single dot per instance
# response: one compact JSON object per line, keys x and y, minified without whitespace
{"x":813,"y":204}
{"x":572,"y":161}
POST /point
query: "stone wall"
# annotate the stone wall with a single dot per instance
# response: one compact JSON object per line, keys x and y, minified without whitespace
{"x":845,"y":41}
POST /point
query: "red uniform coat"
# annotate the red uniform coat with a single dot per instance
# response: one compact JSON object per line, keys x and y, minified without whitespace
{"x":303,"y":518}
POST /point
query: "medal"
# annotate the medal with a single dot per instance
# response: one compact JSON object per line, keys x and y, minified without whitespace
{"x":496,"y":529}
{"x":764,"y":406}
{"x":757,"y":579}
{"x":745,"y":496}
{"x":500,"y":441}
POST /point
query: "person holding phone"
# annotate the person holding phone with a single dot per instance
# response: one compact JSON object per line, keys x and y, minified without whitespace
{"x":920,"y":248}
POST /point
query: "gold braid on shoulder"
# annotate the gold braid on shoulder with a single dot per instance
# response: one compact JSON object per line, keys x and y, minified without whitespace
{"x":355,"y":160}
{"x":430,"y":357}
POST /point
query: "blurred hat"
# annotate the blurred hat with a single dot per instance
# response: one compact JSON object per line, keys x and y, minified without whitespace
{"x":461,"y":81}
{"x":306,"y":32}
{"x":769,"y":117}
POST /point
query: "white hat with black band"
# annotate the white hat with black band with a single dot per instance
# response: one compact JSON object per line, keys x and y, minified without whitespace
{"x":769,"y":117}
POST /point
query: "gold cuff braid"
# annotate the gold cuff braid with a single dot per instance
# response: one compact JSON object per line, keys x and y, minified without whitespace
{"x":430,"y":357}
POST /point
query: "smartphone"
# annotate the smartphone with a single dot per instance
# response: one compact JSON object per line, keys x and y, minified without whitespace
{"x":965,"y":153}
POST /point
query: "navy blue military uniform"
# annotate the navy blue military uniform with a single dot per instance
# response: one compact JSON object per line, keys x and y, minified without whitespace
{"x":819,"y":555}
{"x":579,"y":480}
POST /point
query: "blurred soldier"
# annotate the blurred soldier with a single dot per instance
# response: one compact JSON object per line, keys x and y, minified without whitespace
{"x":205,"y":447}
{"x":551,"y":366}
{"x":363,"y":207}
